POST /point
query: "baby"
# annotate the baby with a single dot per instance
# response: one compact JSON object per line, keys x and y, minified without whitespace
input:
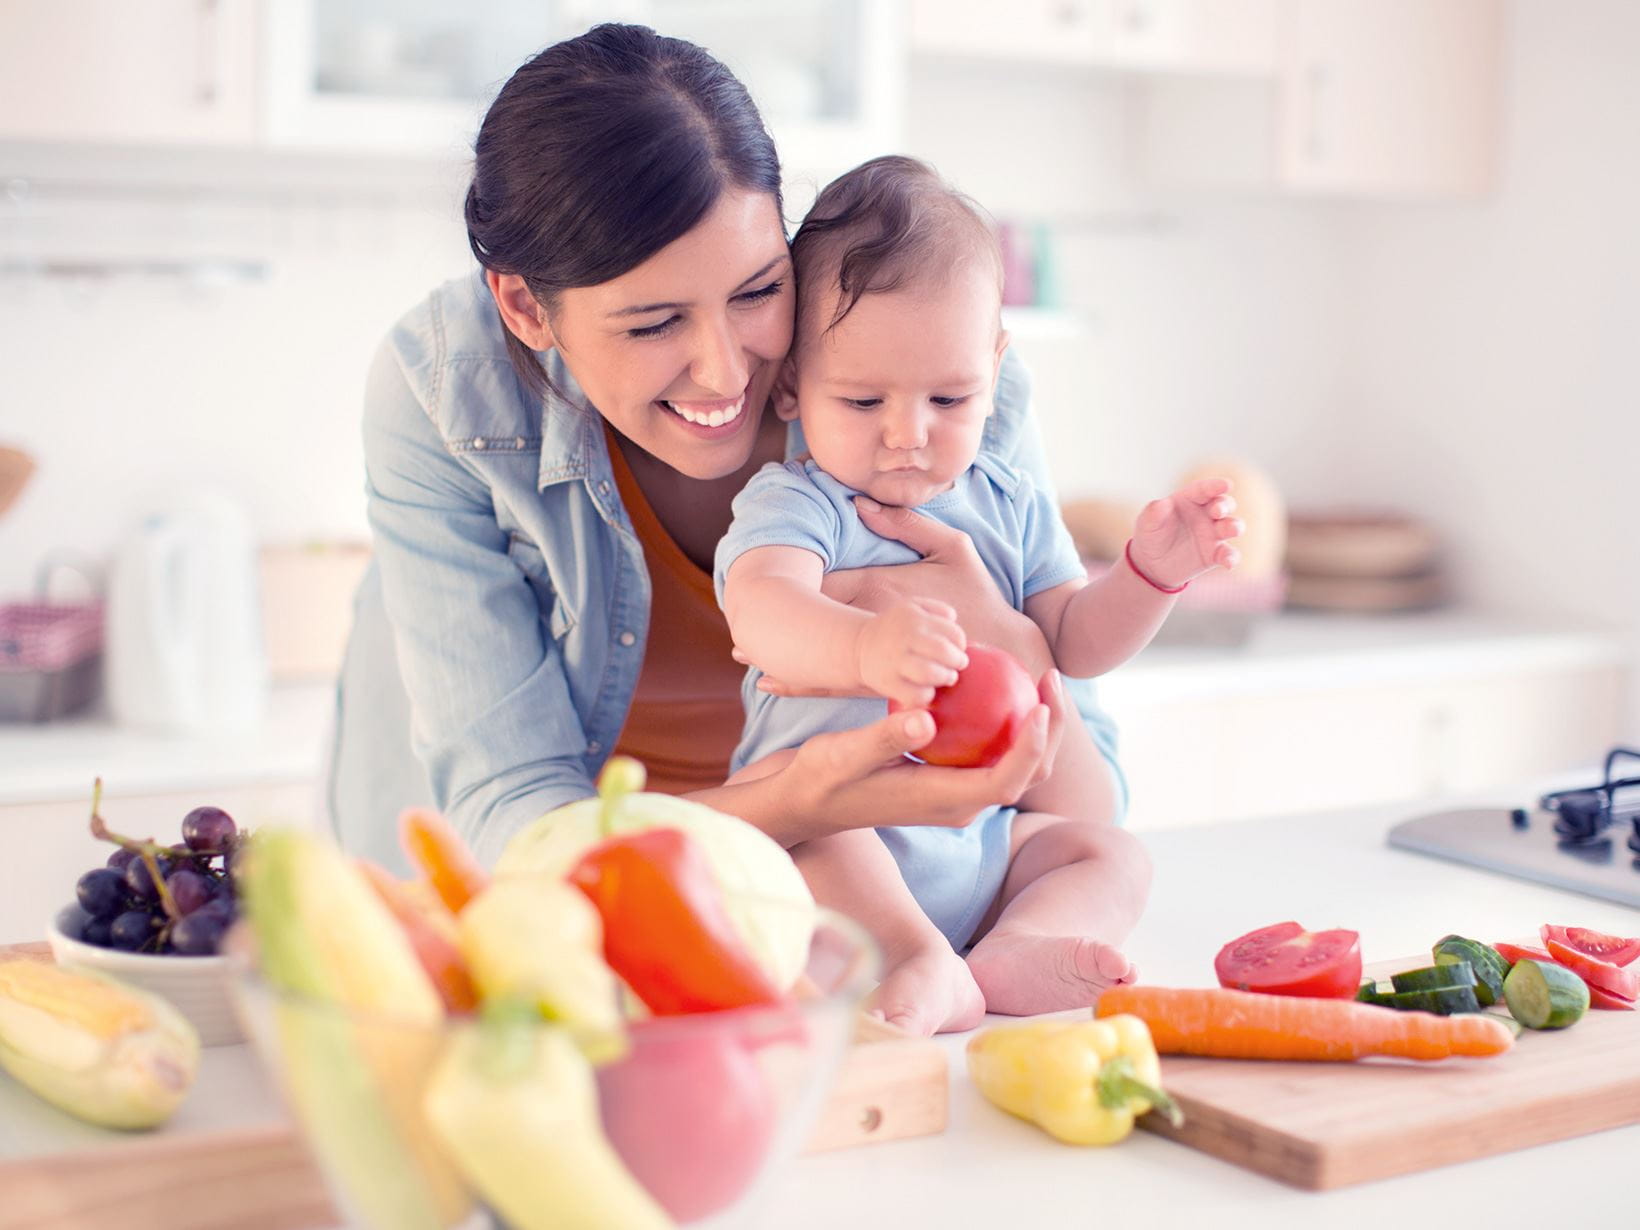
{"x":891,"y":376}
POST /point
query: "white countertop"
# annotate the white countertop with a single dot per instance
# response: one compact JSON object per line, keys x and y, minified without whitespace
{"x":1212,"y":882}
{"x":58,"y":760}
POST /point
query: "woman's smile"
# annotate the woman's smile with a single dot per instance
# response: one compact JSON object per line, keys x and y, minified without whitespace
{"x":713,"y":415}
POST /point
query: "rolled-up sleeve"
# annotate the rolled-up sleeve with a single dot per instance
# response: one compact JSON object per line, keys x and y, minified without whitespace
{"x":492,"y":719}
{"x":1015,"y":437}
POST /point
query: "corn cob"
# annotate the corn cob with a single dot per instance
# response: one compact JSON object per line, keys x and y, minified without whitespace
{"x":101,"y":1050}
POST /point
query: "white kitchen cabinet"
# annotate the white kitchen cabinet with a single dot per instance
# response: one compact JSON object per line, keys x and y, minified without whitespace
{"x":384,"y":76}
{"x":174,"y":72}
{"x":1304,"y":720}
{"x":1390,"y":98}
{"x":1193,"y":36}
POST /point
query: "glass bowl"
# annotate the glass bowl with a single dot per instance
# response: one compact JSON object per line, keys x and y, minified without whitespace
{"x":702,"y":1111}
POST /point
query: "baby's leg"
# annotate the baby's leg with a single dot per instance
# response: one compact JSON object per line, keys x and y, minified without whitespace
{"x":926,"y":987}
{"x":1074,"y":890}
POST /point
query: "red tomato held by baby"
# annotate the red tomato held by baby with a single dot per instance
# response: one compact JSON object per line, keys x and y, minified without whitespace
{"x":977,"y":717}
{"x":1285,"y":959}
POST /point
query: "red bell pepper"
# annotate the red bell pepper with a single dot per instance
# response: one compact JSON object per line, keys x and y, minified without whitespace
{"x":667,"y":932}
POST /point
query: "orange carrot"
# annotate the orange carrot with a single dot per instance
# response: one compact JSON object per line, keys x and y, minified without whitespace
{"x":434,"y":847}
{"x":1249,"y":1025}
{"x":436,"y":950}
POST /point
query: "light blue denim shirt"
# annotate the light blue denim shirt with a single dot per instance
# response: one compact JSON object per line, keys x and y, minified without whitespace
{"x":500,"y":629}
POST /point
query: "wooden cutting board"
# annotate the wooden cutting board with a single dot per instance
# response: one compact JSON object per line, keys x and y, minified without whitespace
{"x":261,"y":1176}
{"x":1326,"y":1125}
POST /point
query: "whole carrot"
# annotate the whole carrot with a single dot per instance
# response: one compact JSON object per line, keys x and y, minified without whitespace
{"x":435,"y":848}
{"x":1248,"y":1025}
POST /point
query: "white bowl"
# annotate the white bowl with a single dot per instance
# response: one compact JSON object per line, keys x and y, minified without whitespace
{"x":197,"y":986}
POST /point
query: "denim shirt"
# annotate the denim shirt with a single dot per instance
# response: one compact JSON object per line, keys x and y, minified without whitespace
{"x":500,"y":629}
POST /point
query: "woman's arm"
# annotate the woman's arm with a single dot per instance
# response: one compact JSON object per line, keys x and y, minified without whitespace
{"x":492,"y":719}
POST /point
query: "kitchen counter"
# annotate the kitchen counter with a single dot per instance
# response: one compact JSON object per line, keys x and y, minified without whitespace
{"x":1212,"y":882}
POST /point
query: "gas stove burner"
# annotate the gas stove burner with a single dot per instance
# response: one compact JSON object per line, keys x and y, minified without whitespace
{"x":1582,"y":816}
{"x":1567,"y":841}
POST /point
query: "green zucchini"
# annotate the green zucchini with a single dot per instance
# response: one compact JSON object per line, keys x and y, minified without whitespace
{"x":1545,"y":996}
{"x":1488,"y":964}
{"x":1443,"y":1001}
{"x":1435,"y":977}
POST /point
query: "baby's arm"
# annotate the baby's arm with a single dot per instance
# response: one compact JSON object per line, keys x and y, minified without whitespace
{"x":786,"y":627}
{"x":1092,"y":628}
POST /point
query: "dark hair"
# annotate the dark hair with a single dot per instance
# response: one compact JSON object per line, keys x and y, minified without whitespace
{"x":883,"y":225}
{"x":600,"y":151}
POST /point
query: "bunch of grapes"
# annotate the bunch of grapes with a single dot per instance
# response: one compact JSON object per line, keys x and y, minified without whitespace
{"x":185,"y":911}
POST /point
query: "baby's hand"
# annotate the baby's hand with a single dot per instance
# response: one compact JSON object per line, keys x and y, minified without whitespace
{"x":910,"y":648}
{"x":1182,"y":536}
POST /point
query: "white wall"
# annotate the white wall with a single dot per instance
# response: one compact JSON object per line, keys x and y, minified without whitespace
{"x":1494,"y":379}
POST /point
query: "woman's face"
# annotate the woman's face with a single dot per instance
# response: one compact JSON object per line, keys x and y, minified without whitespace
{"x":680,"y":353}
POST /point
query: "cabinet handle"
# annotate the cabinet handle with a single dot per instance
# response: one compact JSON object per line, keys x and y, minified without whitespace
{"x":208,"y":57}
{"x":1316,"y":80}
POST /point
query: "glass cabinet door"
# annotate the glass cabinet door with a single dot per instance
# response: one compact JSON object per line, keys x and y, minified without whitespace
{"x":414,"y":76}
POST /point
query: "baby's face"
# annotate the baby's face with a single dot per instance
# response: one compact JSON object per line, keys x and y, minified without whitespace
{"x":894,"y":399}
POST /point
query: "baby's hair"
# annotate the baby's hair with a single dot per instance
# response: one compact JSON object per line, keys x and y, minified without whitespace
{"x":888,"y":224}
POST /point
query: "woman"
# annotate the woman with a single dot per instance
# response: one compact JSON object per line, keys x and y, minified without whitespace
{"x":551,"y":447}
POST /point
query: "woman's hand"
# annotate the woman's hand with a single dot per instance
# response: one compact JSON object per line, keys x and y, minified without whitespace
{"x":861,"y":778}
{"x":950,"y":572}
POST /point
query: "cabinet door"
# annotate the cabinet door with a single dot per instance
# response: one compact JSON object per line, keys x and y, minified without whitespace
{"x":1043,"y":30}
{"x":1393,"y":97}
{"x":1187,"y":36}
{"x":172,"y":71}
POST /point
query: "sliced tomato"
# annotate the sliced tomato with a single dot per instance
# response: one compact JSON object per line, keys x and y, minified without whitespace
{"x":1285,"y":959}
{"x":1597,"y":944}
{"x":1519,"y":952}
{"x":1603,"y":999}
{"x":1612,"y":979}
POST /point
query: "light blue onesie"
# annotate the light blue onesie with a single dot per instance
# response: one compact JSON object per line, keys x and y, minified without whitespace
{"x":954,"y":873}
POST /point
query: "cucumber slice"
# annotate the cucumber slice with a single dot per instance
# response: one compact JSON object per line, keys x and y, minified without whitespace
{"x":1368,"y":992}
{"x":1489,"y":966}
{"x":1435,"y":977}
{"x":1443,"y":1001}
{"x":1545,"y":996}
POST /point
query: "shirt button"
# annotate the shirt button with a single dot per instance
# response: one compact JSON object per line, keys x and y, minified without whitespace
{"x":603,"y":488}
{"x":628,"y":639}
{"x":595,"y":747}
{"x":478,"y":444}
{"x":519,"y":442}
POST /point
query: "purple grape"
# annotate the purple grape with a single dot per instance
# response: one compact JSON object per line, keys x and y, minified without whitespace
{"x":208,"y":828}
{"x":121,"y":858}
{"x":189,"y":889}
{"x":132,"y":929}
{"x":96,"y":932}
{"x":72,"y":922}
{"x":101,"y":892}
{"x":139,"y":883}
{"x":199,"y":934}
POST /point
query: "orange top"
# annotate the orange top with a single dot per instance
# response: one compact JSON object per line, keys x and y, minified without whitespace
{"x":686,"y":716}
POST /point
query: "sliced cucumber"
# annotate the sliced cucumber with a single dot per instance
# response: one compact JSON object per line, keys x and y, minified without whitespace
{"x":1435,"y":977}
{"x":1545,"y":996}
{"x":1443,"y":1001}
{"x":1488,"y":964}
{"x":1368,"y":992}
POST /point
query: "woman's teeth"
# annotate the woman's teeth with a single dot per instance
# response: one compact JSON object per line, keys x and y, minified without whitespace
{"x":708,"y":418}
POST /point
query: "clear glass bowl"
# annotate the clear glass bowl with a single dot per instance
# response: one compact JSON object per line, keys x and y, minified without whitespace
{"x":703,"y":1110}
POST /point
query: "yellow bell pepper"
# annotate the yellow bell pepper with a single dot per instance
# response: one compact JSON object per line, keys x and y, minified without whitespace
{"x":1083,"y":1082}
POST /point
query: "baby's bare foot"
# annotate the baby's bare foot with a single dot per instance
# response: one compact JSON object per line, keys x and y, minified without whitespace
{"x":1023,"y":974}
{"x":929,"y":992}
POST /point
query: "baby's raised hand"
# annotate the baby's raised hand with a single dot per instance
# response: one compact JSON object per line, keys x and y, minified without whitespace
{"x":1183,"y":535}
{"x":908,"y":649}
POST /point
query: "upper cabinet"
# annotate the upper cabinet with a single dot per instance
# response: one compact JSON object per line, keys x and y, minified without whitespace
{"x":1363,"y":97}
{"x":415,"y":78}
{"x":1208,"y":36}
{"x":159,"y":71}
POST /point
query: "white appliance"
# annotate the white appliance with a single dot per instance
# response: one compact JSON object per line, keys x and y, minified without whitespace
{"x":184,"y":636}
